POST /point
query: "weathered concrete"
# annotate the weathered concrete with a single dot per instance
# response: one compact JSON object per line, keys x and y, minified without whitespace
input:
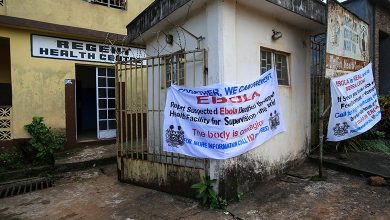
{"x":164,"y":177}
{"x":313,"y":9}
{"x":96,"y":194}
{"x":156,"y":12}
{"x":153,"y":14}
{"x":360,"y":163}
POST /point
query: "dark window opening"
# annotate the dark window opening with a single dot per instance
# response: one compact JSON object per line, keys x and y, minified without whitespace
{"x":5,"y":73}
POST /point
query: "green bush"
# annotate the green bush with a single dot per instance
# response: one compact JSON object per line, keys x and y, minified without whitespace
{"x":10,"y":161}
{"x":44,"y":141}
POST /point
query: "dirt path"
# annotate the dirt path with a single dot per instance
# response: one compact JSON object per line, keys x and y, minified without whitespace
{"x":94,"y":194}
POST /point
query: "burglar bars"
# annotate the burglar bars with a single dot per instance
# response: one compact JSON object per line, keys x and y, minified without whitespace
{"x":317,"y":75}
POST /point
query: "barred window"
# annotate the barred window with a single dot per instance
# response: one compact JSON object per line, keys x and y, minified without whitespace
{"x":279,"y":60}
{"x":121,"y":4}
{"x":175,"y":70}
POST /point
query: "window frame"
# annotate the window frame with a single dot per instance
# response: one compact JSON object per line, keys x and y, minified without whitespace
{"x":281,"y":82}
{"x":174,"y":61}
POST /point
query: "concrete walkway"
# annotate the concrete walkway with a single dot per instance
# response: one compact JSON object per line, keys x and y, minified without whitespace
{"x":96,"y":194}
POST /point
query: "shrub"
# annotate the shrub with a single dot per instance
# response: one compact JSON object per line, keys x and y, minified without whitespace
{"x":10,"y":161}
{"x":384,"y":124}
{"x":44,"y":141}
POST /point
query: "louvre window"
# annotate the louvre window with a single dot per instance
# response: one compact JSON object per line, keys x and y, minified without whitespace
{"x":279,"y":60}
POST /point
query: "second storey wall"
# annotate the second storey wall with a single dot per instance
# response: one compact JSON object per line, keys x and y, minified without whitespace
{"x":75,"y":13}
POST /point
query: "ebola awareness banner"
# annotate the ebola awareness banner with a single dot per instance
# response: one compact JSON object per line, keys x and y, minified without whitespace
{"x":222,"y":121}
{"x":355,"y":108}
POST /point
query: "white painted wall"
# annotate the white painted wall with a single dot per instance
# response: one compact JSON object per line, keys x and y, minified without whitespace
{"x":252,"y":31}
{"x":233,"y":35}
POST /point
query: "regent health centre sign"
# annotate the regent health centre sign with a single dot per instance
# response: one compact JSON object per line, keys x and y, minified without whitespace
{"x":221,"y":121}
{"x":355,"y":108}
{"x":66,"y":49}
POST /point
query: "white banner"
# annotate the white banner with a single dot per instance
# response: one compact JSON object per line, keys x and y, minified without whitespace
{"x":222,"y":121}
{"x":66,"y":49}
{"x":355,"y":108}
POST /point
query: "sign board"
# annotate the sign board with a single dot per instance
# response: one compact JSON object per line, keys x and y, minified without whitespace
{"x":222,"y":121}
{"x":66,"y":49}
{"x":355,"y":108}
{"x":347,"y":41}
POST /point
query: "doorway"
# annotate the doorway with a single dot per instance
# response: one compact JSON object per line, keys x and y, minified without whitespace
{"x":5,"y":73}
{"x":86,"y":103}
{"x":95,"y":103}
{"x":5,"y":90}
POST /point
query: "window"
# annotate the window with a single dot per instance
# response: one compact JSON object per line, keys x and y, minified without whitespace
{"x":279,"y":60}
{"x":121,"y":4}
{"x":175,"y":70}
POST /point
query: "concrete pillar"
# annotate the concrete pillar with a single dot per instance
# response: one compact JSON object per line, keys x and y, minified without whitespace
{"x":222,"y":62}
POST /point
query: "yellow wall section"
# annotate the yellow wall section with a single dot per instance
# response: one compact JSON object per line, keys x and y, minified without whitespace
{"x":38,"y":87}
{"x":38,"y":83}
{"x":76,"y":13}
{"x":3,"y":8}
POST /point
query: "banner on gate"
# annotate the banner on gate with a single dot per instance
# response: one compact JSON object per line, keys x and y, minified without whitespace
{"x":222,"y":121}
{"x":355,"y":108}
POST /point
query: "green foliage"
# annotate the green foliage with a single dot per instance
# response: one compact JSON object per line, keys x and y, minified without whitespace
{"x":10,"y":161}
{"x":377,"y":145}
{"x":207,"y":195}
{"x":239,"y":195}
{"x":44,"y":141}
{"x":384,"y":123}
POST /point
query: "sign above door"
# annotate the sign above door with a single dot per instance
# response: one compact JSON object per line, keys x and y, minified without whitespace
{"x":67,"y":49}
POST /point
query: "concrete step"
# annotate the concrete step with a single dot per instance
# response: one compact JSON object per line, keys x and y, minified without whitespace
{"x":73,"y":160}
{"x":359,"y":163}
{"x":86,"y":157}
